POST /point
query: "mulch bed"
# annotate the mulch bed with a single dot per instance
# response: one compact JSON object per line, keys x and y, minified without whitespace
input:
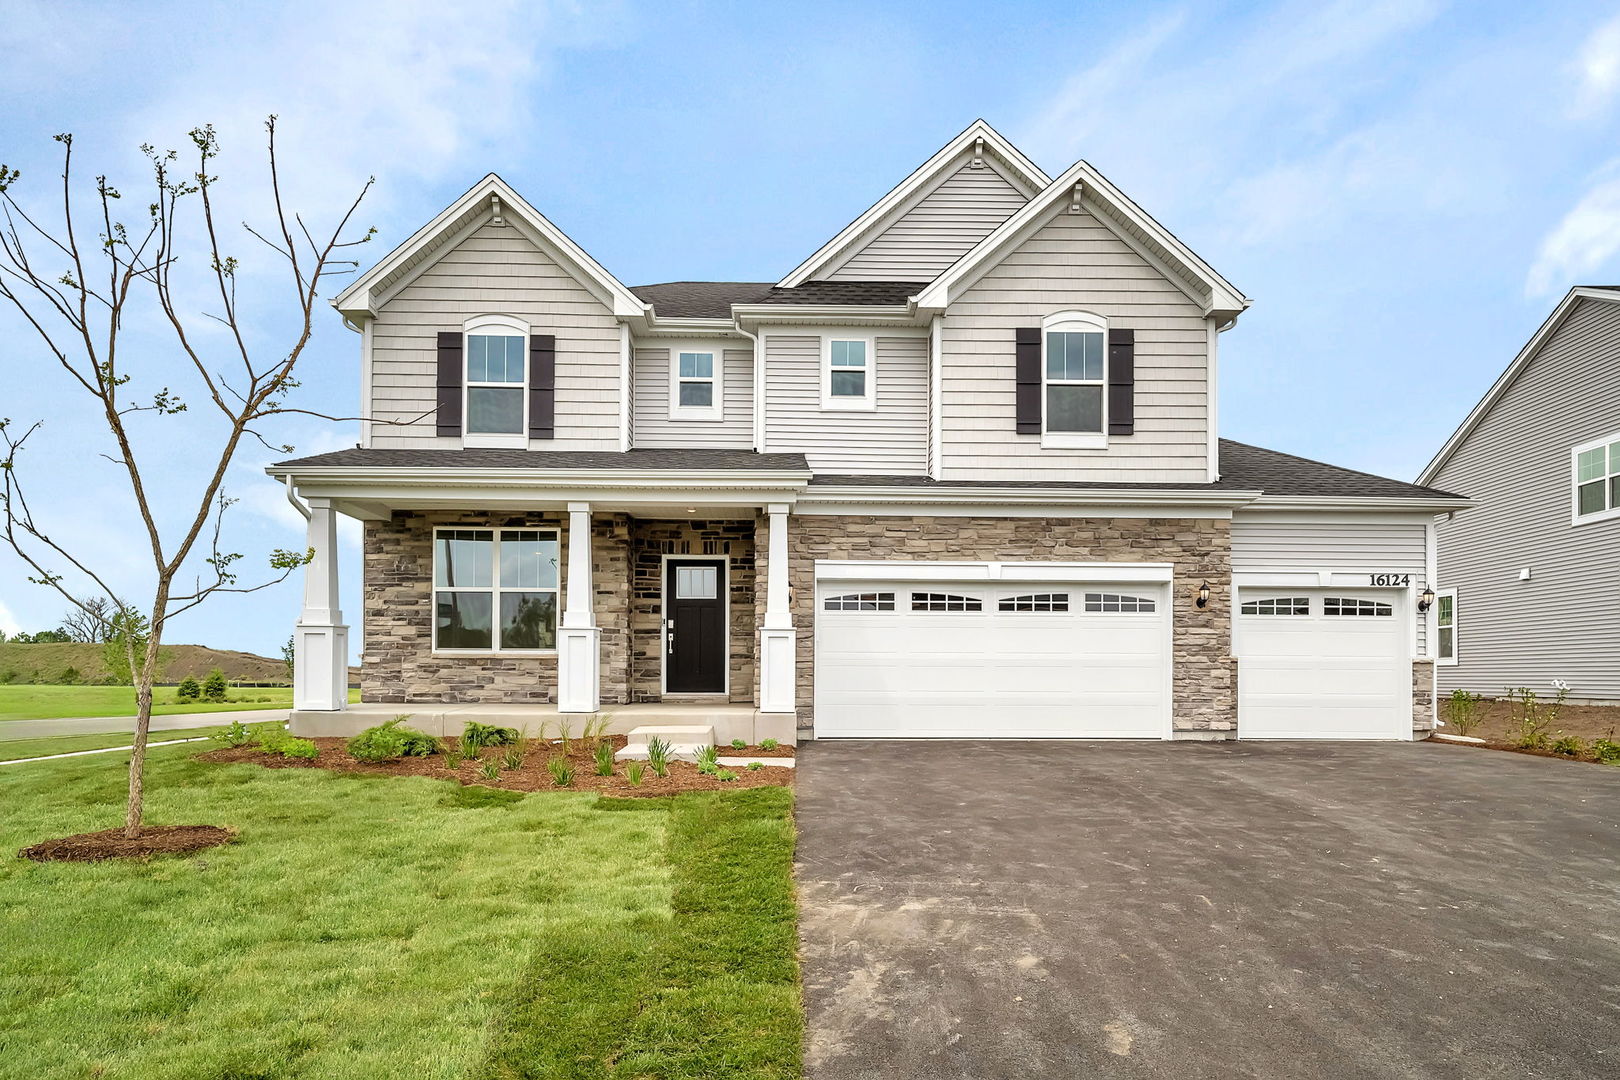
{"x":1497,"y":725}
{"x":533,"y":774}
{"x":1491,"y":744}
{"x":113,"y":844}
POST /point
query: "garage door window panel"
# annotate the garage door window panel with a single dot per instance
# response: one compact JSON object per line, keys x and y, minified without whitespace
{"x":1119,"y":604}
{"x":1278,"y":605}
{"x":1032,"y":602}
{"x":1339,"y":605}
{"x":945,"y":602}
{"x":871,"y":601}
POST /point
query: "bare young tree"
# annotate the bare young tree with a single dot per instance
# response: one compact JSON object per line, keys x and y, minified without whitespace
{"x":78,"y":295}
{"x":91,"y":620}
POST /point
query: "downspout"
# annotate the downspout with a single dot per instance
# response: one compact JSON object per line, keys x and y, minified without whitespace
{"x":936,"y":406}
{"x":292,"y":497}
{"x":625,"y":387}
{"x":759,"y":386}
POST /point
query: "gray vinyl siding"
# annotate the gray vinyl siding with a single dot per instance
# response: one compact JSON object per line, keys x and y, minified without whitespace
{"x":495,"y":271}
{"x":651,"y":425}
{"x":937,"y":231}
{"x":891,"y":439}
{"x":1560,"y":624}
{"x":1074,"y":262}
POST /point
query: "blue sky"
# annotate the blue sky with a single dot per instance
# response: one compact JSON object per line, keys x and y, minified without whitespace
{"x":1405,"y":189}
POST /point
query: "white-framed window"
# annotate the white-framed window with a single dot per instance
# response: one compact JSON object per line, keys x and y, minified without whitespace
{"x":1596,"y":468}
{"x":1278,"y":605}
{"x":696,"y":381}
{"x":1074,"y":389}
{"x":1117,"y":602}
{"x":930,"y":601}
{"x":495,"y":396}
{"x":867,"y":601}
{"x":494,"y":590}
{"x":1445,"y":626}
{"x":848,"y":373}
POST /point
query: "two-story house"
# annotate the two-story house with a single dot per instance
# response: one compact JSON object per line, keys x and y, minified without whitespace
{"x":1540,"y":454}
{"x":957,"y":474}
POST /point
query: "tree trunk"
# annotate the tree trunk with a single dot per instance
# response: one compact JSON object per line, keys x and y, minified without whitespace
{"x":145,"y":676}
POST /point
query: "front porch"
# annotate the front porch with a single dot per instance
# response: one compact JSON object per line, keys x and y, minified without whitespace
{"x":730,"y":721}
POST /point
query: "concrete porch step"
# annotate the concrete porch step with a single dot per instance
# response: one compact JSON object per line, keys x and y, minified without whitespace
{"x":685,"y":741}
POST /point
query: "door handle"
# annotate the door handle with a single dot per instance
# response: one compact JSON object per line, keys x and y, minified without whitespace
{"x":669,"y":635}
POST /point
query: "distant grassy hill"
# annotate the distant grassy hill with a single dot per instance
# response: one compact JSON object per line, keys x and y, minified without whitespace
{"x":46,"y":663}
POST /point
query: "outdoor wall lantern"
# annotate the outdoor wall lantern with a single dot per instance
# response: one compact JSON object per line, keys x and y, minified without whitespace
{"x":1203,"y":595}
{"x":1426,"y":601}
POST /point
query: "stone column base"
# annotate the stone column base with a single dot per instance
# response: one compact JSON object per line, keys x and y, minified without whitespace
{"x":578,"y":664}
{"x":320,"y":666}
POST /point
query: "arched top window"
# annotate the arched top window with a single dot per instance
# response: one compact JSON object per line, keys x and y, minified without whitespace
{"x":1339,"y":605}
{"x":868,"y":601}
{"x":1074,"y":371}
{"x":495,"y":402}
{"x":1036,"y":602}
{"x":1119,"y":602}
{"x":930,"y":601}
{"x":1278,"y":605}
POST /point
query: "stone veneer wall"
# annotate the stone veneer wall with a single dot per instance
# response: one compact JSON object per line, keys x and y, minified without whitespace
{"x":1423,"y":714}
{"x":650,"y":541}
{"x":1205,"y":686}
{"x":398,"y":664}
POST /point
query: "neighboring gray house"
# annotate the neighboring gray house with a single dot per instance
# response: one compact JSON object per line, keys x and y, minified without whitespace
{"x":1526,"y":576}
{"x":955,"y":475}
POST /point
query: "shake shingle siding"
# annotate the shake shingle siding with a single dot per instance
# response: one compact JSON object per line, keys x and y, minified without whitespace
{"x":496,"y":270}
{"x":1074,"y":262}
{"x":651,"y":423}
{"x":937,"y":231}
{"x":892,"y":438}
{"x":1560,"y":624}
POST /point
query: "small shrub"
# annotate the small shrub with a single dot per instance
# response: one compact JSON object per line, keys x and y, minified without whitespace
{"x":513,"y":758}
{"x":10,"y":675}
{"x":302,"y":749}
{"x":562,"y":732}
{"x":1527,"y":711}
{"x":214,"y":687}
{"x":768,"y":744}
{"x":70,"y":676}
{"x":633,"y":772}
{"x":477,"y":736}
{"x":237,"y":734}
{"x":1606,"y":750}
{"x":1569,"y":746}
{"x":188,"y":690}
{"x":452,"y":759}
{"x":724,"y":775}
{"x":596,"y":729}
{"x":390,"y":742}
{"x":604,"y":758}
{"x":708,"y":768}
{"x":561,"y":770}
{"x":755,"y":766}
{"x":658,"y":756}
{"x":1462,"y":711}
{"x":708,"y":755}
{"x":490,"y":770}
{"x":738,"y":744}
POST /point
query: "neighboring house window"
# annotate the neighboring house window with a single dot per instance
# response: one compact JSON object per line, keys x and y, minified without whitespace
{"x":1074,"y":367}
{"x":494,"y":590}
{"x":496,"y":409}
{"x":1597,"y":479}
{"x":695,"y":383}
{"x":848,"y":374}
{"x":1445,"y":626}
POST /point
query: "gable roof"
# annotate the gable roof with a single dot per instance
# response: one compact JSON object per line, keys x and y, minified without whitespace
{"x":1082,"y":184}
{"x":977,"y":137}
{"x":1609,"y":293}
{"x":473,"y":210}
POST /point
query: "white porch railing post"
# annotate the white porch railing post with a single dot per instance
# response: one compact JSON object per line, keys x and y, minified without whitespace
{"x":320,"y":640}
{"x":578,"y":638}
{"x":778,"y":641}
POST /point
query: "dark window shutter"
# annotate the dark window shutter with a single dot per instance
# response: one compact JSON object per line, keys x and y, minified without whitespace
{"x":1121,"y":382}
{"x":1028,"y":350}
{"x":542,"y":386}
{"x":451,"y":373}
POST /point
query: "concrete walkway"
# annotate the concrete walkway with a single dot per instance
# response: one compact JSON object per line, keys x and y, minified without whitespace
{"x":111,"y":725}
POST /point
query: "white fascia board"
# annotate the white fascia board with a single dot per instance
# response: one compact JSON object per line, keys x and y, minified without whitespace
{"x":1331,"y":503}
{"x":665,"y":480}
{"x":1020,"y":171}
{"x":900,"y":501}
{"x":1339,"y":514}
{"x":358,"y":300}
{"x":1500,"y":386}
{"x":1010,"y":571}
{"x":653,"y":326}
{"x":837,"y":314}
{"x":1224,"y":298}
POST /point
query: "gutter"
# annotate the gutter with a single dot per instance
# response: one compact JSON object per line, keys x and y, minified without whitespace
{"x":947,"y":496}
{"x":1416,"y":504}
{"x":530,"y":478}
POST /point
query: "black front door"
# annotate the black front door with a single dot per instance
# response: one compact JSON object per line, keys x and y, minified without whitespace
{"x":695,"y":631}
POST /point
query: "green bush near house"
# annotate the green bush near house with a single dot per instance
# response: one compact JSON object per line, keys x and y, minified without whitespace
{"x":391,"y":741}
{"x":1606,"y":751}
{"x":477,"y":736}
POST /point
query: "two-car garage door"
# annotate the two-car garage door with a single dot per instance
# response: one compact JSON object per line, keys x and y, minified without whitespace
{"x":1037,"y":660}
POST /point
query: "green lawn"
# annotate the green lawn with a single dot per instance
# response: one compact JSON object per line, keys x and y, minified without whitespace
{"x":16,"y":749}
{"x":28,"y":702}
{"x":367,"y":928}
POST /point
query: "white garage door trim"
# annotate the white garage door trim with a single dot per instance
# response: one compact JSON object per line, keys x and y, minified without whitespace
{"x":994,"y":582}
{"x":1265,"y":680}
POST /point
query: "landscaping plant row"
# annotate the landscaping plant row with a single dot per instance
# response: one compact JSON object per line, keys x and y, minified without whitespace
{"x":1532,"y":725}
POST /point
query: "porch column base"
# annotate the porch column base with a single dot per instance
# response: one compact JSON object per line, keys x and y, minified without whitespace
{"x":320,"y":666}
{"x":778,"y":655}
{"x":578,"y":661}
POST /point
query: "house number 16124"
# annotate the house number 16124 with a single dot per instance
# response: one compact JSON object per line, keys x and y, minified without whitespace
{"x":1390,"y":579}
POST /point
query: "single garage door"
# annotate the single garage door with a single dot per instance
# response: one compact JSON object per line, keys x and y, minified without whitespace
{"x":1322,"y":664}
{"x":1025,"y":661}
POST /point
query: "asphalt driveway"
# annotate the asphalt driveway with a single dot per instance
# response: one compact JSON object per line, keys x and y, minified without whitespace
{"x":1031,"y":910}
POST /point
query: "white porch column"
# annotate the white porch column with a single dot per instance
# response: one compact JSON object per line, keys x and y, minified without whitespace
{"x":578,"y":638}
{"x":320,"y":640}
{"x":778,"y":644}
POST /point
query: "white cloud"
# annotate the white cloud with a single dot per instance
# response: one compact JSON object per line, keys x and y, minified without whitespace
{"x":8,"y":621}
{"x":1586,"y":238}
{"x":1597,"y":69}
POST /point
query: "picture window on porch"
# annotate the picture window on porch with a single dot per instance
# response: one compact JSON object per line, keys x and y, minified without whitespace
{"x":495,"y":590}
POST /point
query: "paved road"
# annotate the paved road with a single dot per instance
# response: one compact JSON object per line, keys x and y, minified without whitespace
{"x":99,"y":725}
{"x":1032,"y":910}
